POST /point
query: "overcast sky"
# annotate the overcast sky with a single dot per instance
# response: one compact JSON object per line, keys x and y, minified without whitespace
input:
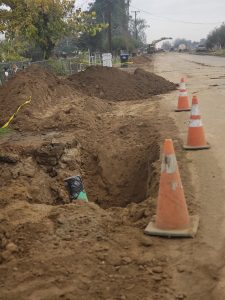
{"x":165,"y":17}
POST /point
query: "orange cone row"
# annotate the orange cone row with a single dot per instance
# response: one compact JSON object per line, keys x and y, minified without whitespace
{"x":172,"y":216}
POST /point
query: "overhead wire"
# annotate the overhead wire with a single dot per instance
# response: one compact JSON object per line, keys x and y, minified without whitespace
{"x":176,"y":20}
{"x":156,"y":16}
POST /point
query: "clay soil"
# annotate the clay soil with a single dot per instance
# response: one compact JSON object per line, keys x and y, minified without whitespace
{"x":53,"y":249}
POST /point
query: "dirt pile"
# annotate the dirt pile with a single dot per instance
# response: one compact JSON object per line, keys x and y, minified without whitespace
{"x":50,"y":249}
{"x":141,"y":59}
{"x":37,"y":82}
{"x":115,"y":84}
{"x":54,"y":105}
{"x":39,"y":164}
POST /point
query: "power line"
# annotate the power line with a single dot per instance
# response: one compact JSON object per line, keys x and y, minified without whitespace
{"x":175,"y":20}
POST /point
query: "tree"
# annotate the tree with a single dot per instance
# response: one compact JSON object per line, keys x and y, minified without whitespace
{"x":11,"y":51}
{"x":216,"y":38}
{"x":141,"y":26}
{"x":122,"y":26}
{"x":43,"y":23}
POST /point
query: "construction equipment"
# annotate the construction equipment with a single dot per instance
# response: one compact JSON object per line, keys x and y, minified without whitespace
{"x":151,"y":47}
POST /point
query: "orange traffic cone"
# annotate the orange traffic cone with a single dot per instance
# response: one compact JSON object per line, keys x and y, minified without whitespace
{"x":183,"y":101}
{"x":196,"y":134}
{"x":172,"y":217}
{"x":182,"y":85}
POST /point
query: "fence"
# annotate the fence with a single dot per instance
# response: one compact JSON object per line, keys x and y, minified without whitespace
{"x":60,"y":66}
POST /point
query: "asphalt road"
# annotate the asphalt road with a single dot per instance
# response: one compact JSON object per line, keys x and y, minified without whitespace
{"x":204,"y":257}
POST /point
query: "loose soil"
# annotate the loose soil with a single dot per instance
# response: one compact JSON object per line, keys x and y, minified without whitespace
{"x":117,"y":85}
{"x":52,"y":249}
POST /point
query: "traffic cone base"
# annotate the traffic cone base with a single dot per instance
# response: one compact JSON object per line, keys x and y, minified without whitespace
{"x":186,"y":147}
{"x":191,"y":231}
{"x":182,"y":109}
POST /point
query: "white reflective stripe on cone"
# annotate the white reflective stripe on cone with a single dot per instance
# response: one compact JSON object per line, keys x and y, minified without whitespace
{"x":182,"y":86}
{"x":195,"y":110}
{"x":195,"y":123}
{"x":182,"y":94}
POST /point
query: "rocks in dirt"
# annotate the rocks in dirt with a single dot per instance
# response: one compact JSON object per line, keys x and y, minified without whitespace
{"x":147,"y":242}
{"x":6,"y":255}
{"x":181,"y":269}
{"x":71,"y":155}
{"x":40,"y":171}
{"x":157,"y":278}
{"x":9,"y":250}
{"x":157,"y":270}
{"x":67,"y":237}
{"x":49,"y":154}
{"x":9,"y":158}
{"x":11,"y":247}
{"x":126,"y":260}
{"x":137,"y":214}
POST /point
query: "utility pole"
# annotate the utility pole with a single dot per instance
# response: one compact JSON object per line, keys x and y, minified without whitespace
{"x":135,"y":22}
{"x":110,"y":25}
{"x":128,"y":8}
{"x":128,"y":14}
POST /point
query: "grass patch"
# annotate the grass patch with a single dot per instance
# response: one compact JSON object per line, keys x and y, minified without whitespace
{"x":4,"y":131}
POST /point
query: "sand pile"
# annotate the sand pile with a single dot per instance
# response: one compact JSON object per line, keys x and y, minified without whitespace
{"x":114,"y":84}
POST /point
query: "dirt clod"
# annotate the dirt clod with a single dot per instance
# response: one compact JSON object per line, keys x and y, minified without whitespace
{"x":11,"y":247}
{"x":157,"y":270}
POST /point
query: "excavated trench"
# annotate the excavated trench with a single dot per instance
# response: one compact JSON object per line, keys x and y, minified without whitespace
{"x":35,"y":169}
{"x":117,"y":161}
{"x":122,"y":176}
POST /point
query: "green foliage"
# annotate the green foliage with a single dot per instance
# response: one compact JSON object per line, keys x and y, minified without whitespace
{"x":11,"y":51}
{"x":123,"y":27}
{"x":45,"y":22}
{"x":59,"y":67}
{"x":216,"y":39}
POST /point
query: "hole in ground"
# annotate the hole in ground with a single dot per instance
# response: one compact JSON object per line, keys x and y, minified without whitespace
{"x":121,"y":175}
{"x":117,"y":171}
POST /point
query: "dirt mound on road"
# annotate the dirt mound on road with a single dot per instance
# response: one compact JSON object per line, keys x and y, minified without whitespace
{"x":114,"y":84}
{"x":142,"y":59}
